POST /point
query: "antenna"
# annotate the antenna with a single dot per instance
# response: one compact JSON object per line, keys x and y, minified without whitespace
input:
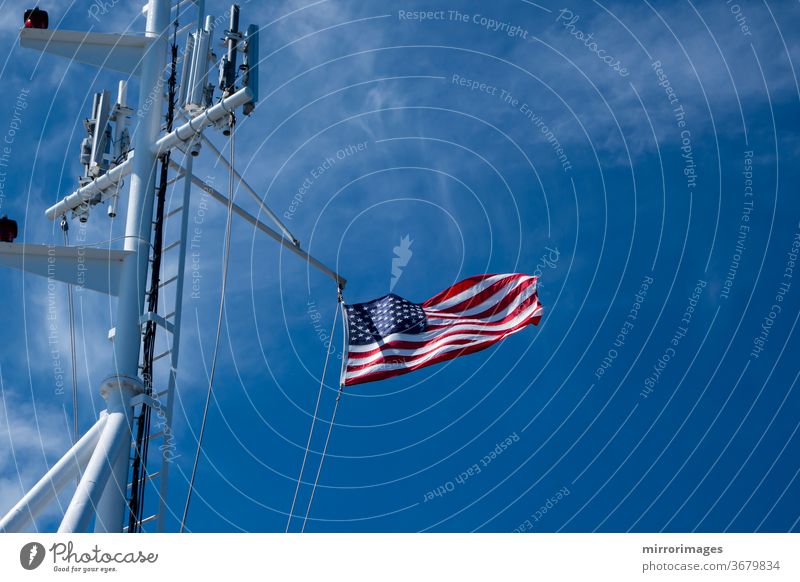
{"x":122,"y":139}
{"x":100,"y":136}
{"x":198,"y":92}
{"x":102,"y":457}
{"x":250,"y":67}
{"x":227,"y":66}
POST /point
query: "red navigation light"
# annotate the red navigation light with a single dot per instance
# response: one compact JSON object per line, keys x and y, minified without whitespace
{"x":35,"y":18}
{"x":8,"y":229}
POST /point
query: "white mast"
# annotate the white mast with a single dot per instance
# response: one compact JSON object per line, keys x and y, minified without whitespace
{"x":124,"y":382}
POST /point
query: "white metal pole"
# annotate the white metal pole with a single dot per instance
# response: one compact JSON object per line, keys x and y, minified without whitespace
{"x":109,"y":447}
{"x":110,"y":506}
{"x":264,"y":208}
{"x":66,"y":469}
{"x":199,"y":122}
{"x":273,"y":234}
{"x":124,"y":381}
{"x":110,"y":179}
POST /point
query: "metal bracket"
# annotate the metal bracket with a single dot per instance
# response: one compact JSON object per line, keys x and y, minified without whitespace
{"x":145,"y":399}
{"x":158,"y":320}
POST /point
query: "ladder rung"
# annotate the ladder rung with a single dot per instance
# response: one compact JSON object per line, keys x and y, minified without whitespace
{"x":174,"y":212}
{"x":168,"y":281}
{"x":158,"y":320}
{"x":144,"y":521}
{"x":147,"y":477}
{"x":161,"y":355}
{"x":162,"y":393}
{"x":169,"y":315}
{"x":170,"y":246}
{"x":156,"y":435}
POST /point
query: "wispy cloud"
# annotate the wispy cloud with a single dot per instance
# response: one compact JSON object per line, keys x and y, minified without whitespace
{"x":33,"y":435}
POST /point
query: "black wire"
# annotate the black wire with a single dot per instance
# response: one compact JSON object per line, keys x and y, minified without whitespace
{"x":71,"y":307}
{"x":139,"y":469}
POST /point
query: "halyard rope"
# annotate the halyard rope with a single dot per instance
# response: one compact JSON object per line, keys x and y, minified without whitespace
{"x":316,"y":410}
{"x":226,"y":260}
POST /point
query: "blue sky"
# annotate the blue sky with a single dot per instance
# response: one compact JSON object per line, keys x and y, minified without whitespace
{"x":646,"y":173}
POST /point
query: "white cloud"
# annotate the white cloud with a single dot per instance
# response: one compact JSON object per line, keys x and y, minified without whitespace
{"x":34,"y":436}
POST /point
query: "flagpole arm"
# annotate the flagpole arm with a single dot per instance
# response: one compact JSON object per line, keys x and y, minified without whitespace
{"x":275,"y":235}
{"x":264,"y":208}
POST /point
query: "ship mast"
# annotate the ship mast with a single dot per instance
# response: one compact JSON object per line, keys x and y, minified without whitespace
{"x":102,"y":457}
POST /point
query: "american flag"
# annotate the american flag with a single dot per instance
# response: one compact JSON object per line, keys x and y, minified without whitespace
{"x":392,"y":336}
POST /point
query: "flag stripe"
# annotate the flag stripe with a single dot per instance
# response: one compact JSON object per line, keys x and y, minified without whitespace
{"x":431,"y":337}
{"x":461,"y":291}
{"x":444,"y":353}
{"x":403,"y":352}
{"x":486,"y":295}
{"x":435,"y":330}
{"x":490,"y":308}
{"x":392,"y":336}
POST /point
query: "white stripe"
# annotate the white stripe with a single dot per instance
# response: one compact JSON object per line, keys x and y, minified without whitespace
{"x":470,"y":291}
{"x":454,"y":325}
{"x":441,"y":350}
{"x":488,"y":303}
{"x":383,"y":367}
{"x":459,"y":328}
{"x":443,"y":341}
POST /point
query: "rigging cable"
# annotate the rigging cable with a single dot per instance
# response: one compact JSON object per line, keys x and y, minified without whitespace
{"x":225,"y":263}
{"x":71,"y":307}
{"x":316,"y":410}
{"x":333,"y":416}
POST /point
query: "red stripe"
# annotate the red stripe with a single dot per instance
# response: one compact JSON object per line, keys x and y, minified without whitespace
{"x":484,"y":332}
{"x":500,"y":305}
{"x":407,"y":358}
{"x":396,"y":359}
{"x":486,"y":327}
{"x":481,"y":297}
{"x":408,"y":344}
{"x":459,"y":287}
{"x":390,"y":373}
{"x":399,"y":372}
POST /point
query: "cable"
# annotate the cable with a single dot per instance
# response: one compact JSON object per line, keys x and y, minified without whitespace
{"x":322,"y":459}
{"x":226,"y":257}
{"x":335,"y":409}
{"x":316,"y":409}
{"x":333,"y":416}
{"x":76,"y":436}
